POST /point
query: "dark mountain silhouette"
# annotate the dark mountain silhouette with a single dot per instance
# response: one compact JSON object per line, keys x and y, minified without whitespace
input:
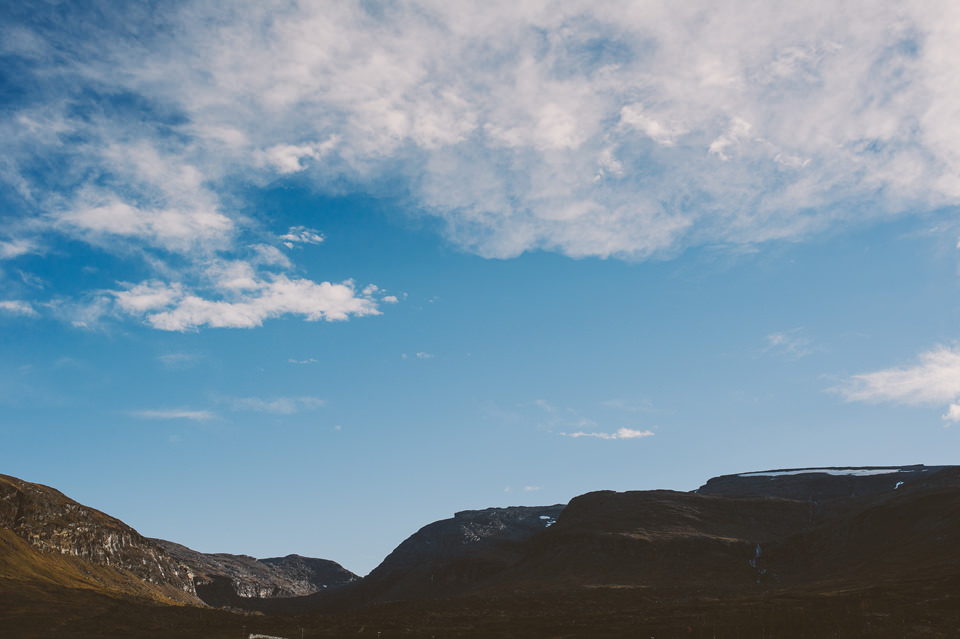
{"x":865,"y":552}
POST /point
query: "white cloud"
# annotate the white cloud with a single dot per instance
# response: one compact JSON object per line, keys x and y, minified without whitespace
{"x":590,"y":129}
{"x":175,"y":413}
{"x":665,"y":134}
{"x":248,"y":303}
{"x":531,"y":489}
{"x":15,"y":248}
{"x":424,"y":356}
{"x":935,"y":380}
{"x":301,"y":235}
{"x":622,"y":433}
{"x":270,"y":255}
{"x":953,"y":413}
{"x":288,"y":158}
{"x":277,"y":405}
{"x":309,"y":360}
{"x":148,"y":296}
{"x":17,"y":307}
{"x":233,"y":275}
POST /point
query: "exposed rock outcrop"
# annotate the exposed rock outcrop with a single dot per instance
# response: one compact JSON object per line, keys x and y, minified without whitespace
{"x":53,"y":523}
{"x":232,"y":580}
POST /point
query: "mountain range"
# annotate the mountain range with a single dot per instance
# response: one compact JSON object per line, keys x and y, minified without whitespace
{"x":816,"y":552}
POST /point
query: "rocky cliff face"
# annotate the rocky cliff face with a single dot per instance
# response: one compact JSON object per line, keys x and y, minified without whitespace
{"x":228,"y":580}
{"x":53,"y":523}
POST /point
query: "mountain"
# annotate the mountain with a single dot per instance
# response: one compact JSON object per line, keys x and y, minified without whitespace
{"x":238,"y":580}
{"x":817,"y":552}
{"x":449,"y":557}
{"x":819,"y":484}
{"x":51,"y":535}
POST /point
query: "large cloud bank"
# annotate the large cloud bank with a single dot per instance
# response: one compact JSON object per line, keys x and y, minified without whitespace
{"x":624,"y":129}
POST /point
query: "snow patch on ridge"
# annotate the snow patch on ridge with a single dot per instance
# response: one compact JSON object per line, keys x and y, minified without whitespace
{"x":857,"y":472}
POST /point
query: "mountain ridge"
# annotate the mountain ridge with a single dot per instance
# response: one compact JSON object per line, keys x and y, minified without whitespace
{"x":804,"y":551}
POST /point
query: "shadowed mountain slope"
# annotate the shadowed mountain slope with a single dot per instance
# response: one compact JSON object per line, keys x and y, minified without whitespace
{"x":819,"y":484}
{"x":239,"y":580}
{"x":852,"y":552}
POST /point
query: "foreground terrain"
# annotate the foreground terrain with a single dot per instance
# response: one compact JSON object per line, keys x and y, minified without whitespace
{"x":801,"y":553}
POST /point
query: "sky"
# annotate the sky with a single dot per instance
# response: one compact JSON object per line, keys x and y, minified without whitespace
{"x":283,"y":277}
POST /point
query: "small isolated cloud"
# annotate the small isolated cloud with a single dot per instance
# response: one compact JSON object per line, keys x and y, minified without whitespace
{"x":277,"y":405}
{"x":301,"y":235}
{"x":309,"y":360}
{"x":934,"y":380}
{"x":531,"y":489}
{"x":623,"y":433}
{"x":17,"y":307}
{"x":424,"y":355}
{"x":175,"y":413}
{"x":792,"y":344}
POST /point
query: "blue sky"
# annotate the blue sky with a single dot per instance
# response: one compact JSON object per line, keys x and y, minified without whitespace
{"x":284,"y":277}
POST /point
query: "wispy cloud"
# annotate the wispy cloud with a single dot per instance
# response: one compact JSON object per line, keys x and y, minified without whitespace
{"x":276,"y":405}
{"x":569,"y":422}
{"x":792,"y":344}
{"x":622,"y":433}
{"x":178,"y":361}
{"x":175,"y":413}
{"x":17,"y":307}
{"x":639,"y":406}
{"x":15,"y":248}
{"x":934,"y":380}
